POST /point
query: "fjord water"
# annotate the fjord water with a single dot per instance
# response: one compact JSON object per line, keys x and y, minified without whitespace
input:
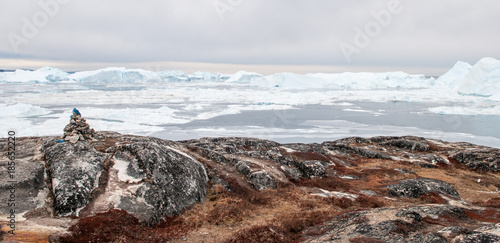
{"x":461,"y":105}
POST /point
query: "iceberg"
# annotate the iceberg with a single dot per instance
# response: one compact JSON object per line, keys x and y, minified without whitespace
{"x":455,"y":76}
{"x":285,"y":80}
{"x":366,"y":80}
{"x":42,"y":75}
{"x":177,"y":76}
{"x":244,"y":77}
{"x":205,"y":76}
{"x":115,"y":75}
{"x":483,"y":79}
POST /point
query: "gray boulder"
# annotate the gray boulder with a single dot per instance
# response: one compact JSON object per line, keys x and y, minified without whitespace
{"x":311,"y":168}
{"x":171,"y":180}
{"x":407,"y":144}
{"x":74,"y":170}
{"x":413,"y":224}
{"x":26,"y":188}
{"x":414,"y":188}
{"x":243,"y":167}
{"x":485,"y":159}
{"x":262,"y":180}
{"x":147,"y":177}
{"x":477,"y":237}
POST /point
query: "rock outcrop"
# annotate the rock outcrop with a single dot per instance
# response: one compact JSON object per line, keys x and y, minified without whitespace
{"x":381,"y":189}
{"x":147,"y":177}
{"x":429,"y":223}
{"x":414,"y":188}
{"x":486,"y":159}
{"x":74,"y":170}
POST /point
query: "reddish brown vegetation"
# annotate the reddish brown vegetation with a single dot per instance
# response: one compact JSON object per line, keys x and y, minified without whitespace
{"x":303,"y":156}
{"x":432,"y":197}
{"x":295,"y":222}
{"x":286,"y":227}
{"x":328,"y":183}
{"x":260,"y":233}
{"x":493,"y":203}
{"x":363,"y":239}
{"x":369,"y":202}
{"x":489,"y":215}
{"x":119,"y":226}
{"x":443,"y":220}
{"x":246,"y":192}
{"x":360,"y":202}
{"x":403,"y":227}
{"x":347,"y":171}
{"x":227,"y":211}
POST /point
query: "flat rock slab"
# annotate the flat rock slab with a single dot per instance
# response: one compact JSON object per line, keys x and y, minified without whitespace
{"x":414,"y":188}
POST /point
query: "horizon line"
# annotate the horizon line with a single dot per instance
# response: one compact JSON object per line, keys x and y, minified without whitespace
{"x":225,"y":68}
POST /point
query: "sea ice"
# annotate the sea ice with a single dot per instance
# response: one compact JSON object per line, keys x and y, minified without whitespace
{"x":146,"y":102}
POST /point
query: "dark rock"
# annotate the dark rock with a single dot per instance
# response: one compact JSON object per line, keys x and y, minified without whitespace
{"x":434,"y":211}
{"x":357,"y":226}
{"x":339,"y":228}
{"x":307,"y":148}
{"x":451,"y":232}
{"x":434,"y":159}
{"x":384,"y":228}
{"x":28,"y":180}
{"x":174,"y":180}
{"x":291,"y":172}
{"x":74,"y":170}
{"x":427,"y":238}
{"x":214,"y":156}
{"x":405,"y":171}
{"x":414,"y":188}
{"x":477,"y":237}
{"x":356,"y":140}
{"x":386,"y":225}
{"x":409,"y":145}
{"x":426,"y":165}
{"x":158,"y":179}
{"x":311,"y":169}
{"x":262,"y":180}
{"x":348,"y":149}
{"x":485,"y":159}
{"x":412,"y":216}
{"x":243,"y":167}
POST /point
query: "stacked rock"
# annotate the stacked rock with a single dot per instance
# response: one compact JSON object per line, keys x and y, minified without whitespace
{"x":77,"y":129}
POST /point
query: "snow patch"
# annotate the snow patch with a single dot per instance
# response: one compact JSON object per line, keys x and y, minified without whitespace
{"x":121,"y":166}
{"x":325,"y":193}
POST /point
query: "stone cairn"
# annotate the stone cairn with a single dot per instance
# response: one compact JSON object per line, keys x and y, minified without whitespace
{"x":77,"y":129}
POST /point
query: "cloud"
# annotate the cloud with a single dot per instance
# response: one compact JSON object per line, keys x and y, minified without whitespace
{"x":279,"y":32}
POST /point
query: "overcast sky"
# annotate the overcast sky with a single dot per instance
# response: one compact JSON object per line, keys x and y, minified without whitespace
{"x":425,"y":36}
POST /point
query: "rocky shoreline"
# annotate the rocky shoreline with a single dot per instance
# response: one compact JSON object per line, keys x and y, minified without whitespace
{"x":380,"y":189}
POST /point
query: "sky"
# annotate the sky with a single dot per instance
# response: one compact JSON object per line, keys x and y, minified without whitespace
{"x":265,"y":36}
